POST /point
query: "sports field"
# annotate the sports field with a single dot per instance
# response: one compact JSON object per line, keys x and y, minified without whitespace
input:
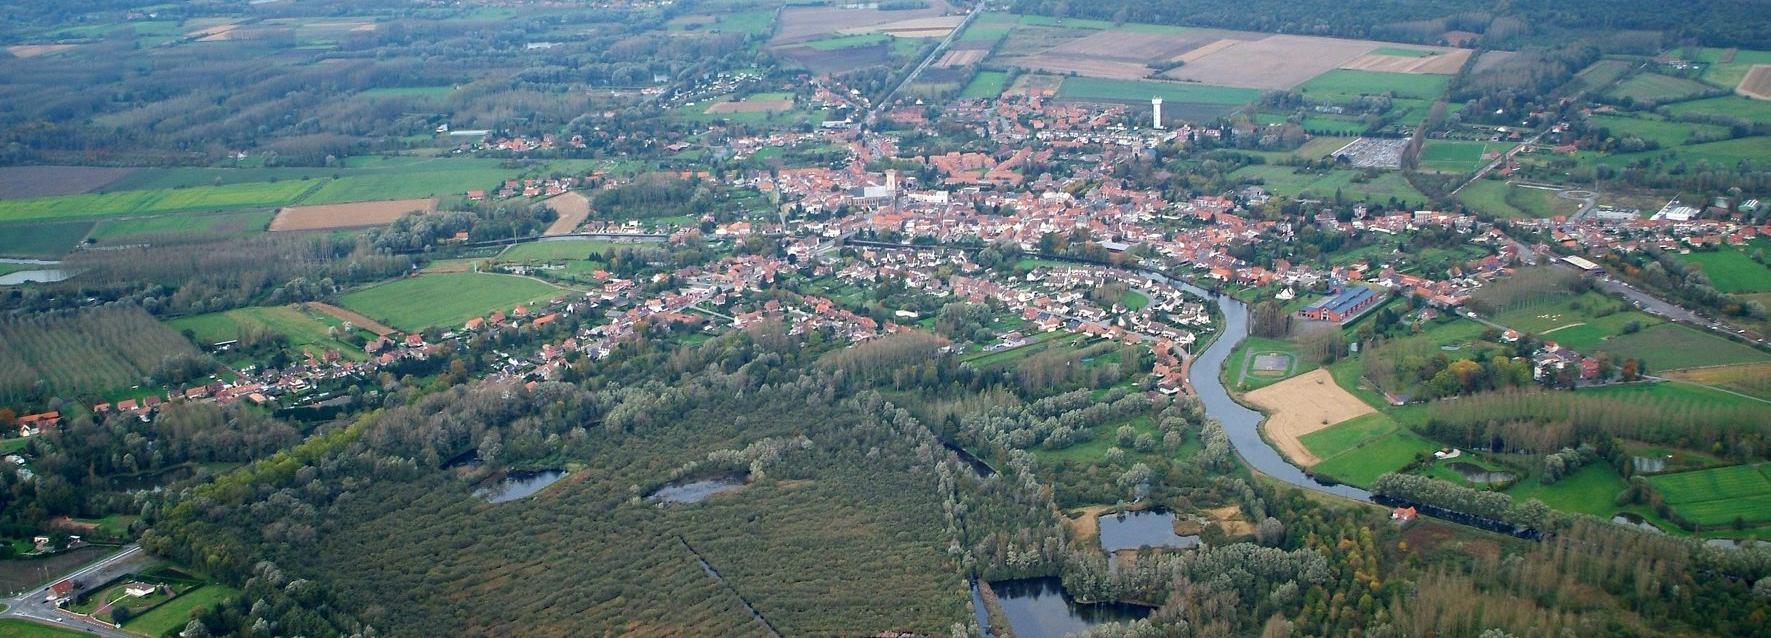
{"x":447,"y":299}
{"x":1459,"y":157}
{"x":1718,"y":496}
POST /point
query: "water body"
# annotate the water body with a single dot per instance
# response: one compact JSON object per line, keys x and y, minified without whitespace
{"x":1040,"y":608}
{"x":1478,"y":474}
{"x":978,"y":465}
{"x":1242,"y":423}
{"x":45,"y":276}
{"x":1133,"y":530}
{"x":1635,"y":520}
{"x":519,"y":485}
{"x":696,"y":491}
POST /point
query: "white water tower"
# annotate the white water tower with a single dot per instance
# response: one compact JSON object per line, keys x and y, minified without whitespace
{"x":1156,"y":110}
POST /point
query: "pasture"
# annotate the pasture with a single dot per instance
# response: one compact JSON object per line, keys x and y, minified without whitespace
{"x":307,"y":331}
{"x":119,"y":203}
{"x":1727,"y":74}
{"x":1649,"y":127}
{"x":1585,"y":323}
{"x":446,"y":299}
{"x":1601,"y":74}
{"x":1753,"y":379}
{"x":1386,"y":450}
{"x":986,"y":84}
{"x":1726,"y":152}
{"x":1718,"y":496}
{"x":1671,"y":346}
{"x":1449,"y":156}
{"x":1289,"y":182}
{"x":353,"y":215}
{"x":132,"y":229}
{"x":1732,"y":268}
{"x":1304,"y":404}
{"x":1654,"y":87}
{"x":1345,"y":84}
{"x":41,"y":240}
{"x":1727,"y":106}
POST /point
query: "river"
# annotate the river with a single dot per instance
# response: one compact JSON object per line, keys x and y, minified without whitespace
{"x":1240,"y":422}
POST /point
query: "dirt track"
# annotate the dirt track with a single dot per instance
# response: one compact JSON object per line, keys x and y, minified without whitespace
{"x":357,"y":320}
{"x":1301,"y":405}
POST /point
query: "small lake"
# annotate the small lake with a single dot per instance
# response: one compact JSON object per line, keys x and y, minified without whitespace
{"x":978,"y":465}
{"x":1478,"y":474}
{"x":1040,"y":608}
{"x":1132,"y":530}
{"x":34,"y":276}
{"x":1635,"y":520}
{"x":696,"y":491}
{"x":519,"y":485}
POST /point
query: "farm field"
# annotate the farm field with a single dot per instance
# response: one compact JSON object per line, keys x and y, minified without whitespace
{"x":447,"y":299}
{"x":1590,"y":490}
{"x":1725,"y":152}
{"x":1450,"y":156}
{"x":986,"y":84}
{"x":113,"y":204}
{"x":45,"y":181}
{"x":93,"y":351}
{"x":1301,"y":405}
{"x":1718,"y":496}
{"x":1084,"y":88}
{"x":1732,"y":269}
{"x":1732,"y":106}
{"x":307,"y":331}
{"x":42,"y":240}
{"x":1372,"y":457}
{"x":124,"y":230}
{"x":556,"y":250}
{"x":1648,"y":127}
{"x":1726,"y":74}
{"x":1490,"y":196}
{"x":1347,"y":84}
{"x":1585,"y":328}
{"x":1286,"y":181}
{"x":1601,"y":74}
{"x":353,"y":215}
{"x":1750,"y":379}
{"x":1670,"y":346}
{"x":1654,"y":87}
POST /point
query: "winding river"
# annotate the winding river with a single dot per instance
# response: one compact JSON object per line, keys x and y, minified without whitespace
{"x":1241,"y":422}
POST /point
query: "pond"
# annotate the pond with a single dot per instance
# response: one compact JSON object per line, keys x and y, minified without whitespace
{"x":1479,"y":475}
{"x":696,"y":491}
{"x":1040,"y":608}
{"x":1635,"y":520}
{"x":517,"y":485}
{"x":1131,"y":530}
{"x":45,"y":276}
{"x":978,"y":465}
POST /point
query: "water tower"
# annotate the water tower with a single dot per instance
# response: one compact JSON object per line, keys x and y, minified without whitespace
{"x":1156,"y":110}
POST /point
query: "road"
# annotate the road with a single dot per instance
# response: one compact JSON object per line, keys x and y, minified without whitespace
{"x":886,"y":101}
{"x":33,"y":605}
{"x":1504,"y":157}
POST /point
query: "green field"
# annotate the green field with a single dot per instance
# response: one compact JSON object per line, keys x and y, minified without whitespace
{"x":848,"y":41}
{"x":1654,"y":87}
{"x":1718,"y":496}
{"x":10,"y":628}
{"x":986,"y":84}
{"x":1403,"y":52}
{"x":1450,"y":156}
{"x":1670,"y":346}
{"x":233,"y":223}
{"x":1346,"y":84}
{"x":1372,"y":457}
{"x":1333,"y":125}
{"x":308,"y":332}
{"x":1287,"y":182}
{"x":1726,"y":152}
{"x":1083,"y":88}
{"x":446,"y":299}
{"x":1649,"y":127}
{"x":1490,"y":196}
{"x":97,"y":205}
{"x":42,"y":240}
{"x":1346,"y":435}
{"x":1732,"y":268}
{"x":176,"y":613}
{"x":1733,"y":106}
{"x":563,"y":250}
{"x":1681,"y":392}
{"x":1601,"y":74}
{"x":1582,"y":329}
{"x":1591,"y":490}
{"x":408,"y":185}
{"x":1245,"y":378}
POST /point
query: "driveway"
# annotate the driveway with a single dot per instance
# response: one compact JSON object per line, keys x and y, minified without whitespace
{"x":34,"y":606}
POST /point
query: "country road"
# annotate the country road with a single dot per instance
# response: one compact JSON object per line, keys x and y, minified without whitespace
{"x":34,"y":605}
{"x":933,"y":55}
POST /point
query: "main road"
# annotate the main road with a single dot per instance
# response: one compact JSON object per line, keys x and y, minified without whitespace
{"x":34,"y":605}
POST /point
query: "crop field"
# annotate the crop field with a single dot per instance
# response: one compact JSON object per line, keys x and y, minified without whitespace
{"x":1732,"y":269}
{"x":801,"y":24}
{"x":1411,"y":61}
{"x":1459,"y":157}
{"x":1141,"y":91}
{"x":1757,"y":83}
{"x":1649,"y":127}
{"x":1733,"y":106}
{"x":1654,"y":87}
{"x":1301,"y":405}
{"x":986,"y":84}
{"x":353,"y":215}
{"x":41,"y":240}
{"x":572,"y":207}
{"x":307,"y":331}
{"x":125,"y":230}
{"x":17,"y":182}
{"x":1718,"y":496}
{"x":448,"y":299}
{"x":114,"y":204}
{"x":1753,"y":379}
{"x":1272,"y":62}
{"x":1346,"y":84}
{"x":414,"y":184}
{"x":1671,"y":346}
{"x":1286,"y":181}
{"x":1601,"y":74}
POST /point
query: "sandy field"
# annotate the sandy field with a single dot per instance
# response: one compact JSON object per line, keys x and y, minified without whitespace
{"x":1128,"y":46}
{"x":573,"y":208}
{"x":329,"y":216}
{"x":799,"y":24}
{"x":1443,"y":64}
{"x":1301,"y":405}
{"x":1276,"y":62}
{"x":1757,"y":83}
{"x":962,"y":57}
{"x":1208,"y":49}
{"x":357,"y":320}
{"x":34,"y":50}
{"x":936,"y":27}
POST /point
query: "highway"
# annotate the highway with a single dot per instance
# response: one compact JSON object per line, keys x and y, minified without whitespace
{"x":34,"y":606}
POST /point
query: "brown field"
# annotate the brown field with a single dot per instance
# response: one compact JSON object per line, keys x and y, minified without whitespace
{"x":356,"y":319}
{"x":1032,"y":84}
{"x":1443,"y":64}
{"x":1208,"y":49}
{"x":47,"y":181}
{"x":838,"y":61}
{"x":1301,"y":405}
{"x":1757,"y":83}
{"x":34,"y":50}
{"x":1091,"y":67}
{"x":1274,"y":62}
{"x":750,"y":106}
{"x":212,"y":34}
{"x":936,"y":27}
{"x":1752,"y":379}
{"x":801,"y":24}
{"x":1129,"y":46}
{"x":962,"y":57}
{"x":330,"y":216}
{"x":573,"y":208}
{"x":1036,"y":40}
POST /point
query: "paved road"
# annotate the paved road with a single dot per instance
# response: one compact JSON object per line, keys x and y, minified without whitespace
{"x":34,"y":606}
{"x":1504,"y":157}
{"x":886,"y":101}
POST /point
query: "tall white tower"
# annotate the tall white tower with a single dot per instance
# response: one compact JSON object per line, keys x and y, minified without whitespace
{"x":891,"y":179}
{"x":1156,"y":110}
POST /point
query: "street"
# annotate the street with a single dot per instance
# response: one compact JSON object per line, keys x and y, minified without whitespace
{"x":34,"y":606}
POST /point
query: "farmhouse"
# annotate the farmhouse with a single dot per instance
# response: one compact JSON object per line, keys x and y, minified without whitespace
{"x":1342,"y":306}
